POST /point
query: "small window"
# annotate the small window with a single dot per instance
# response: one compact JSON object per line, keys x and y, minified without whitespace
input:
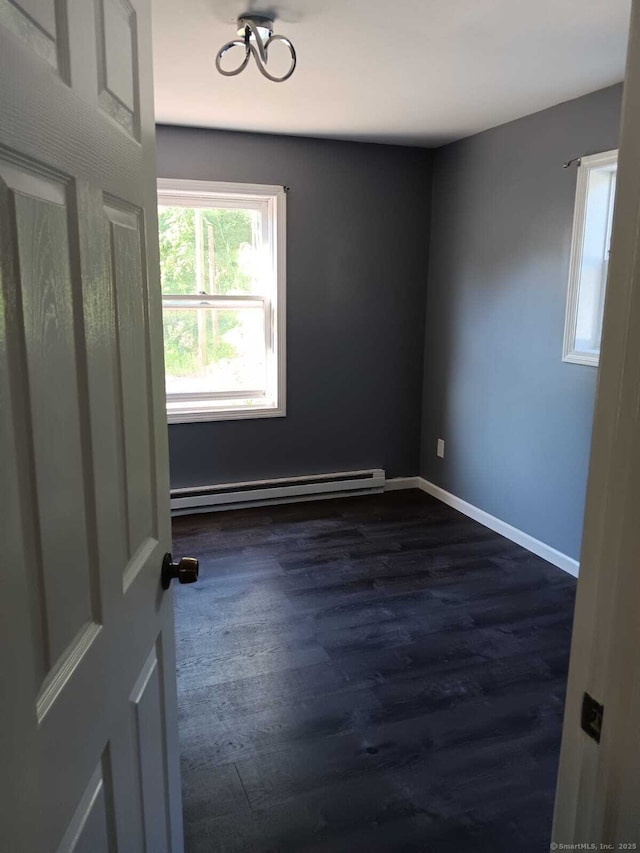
{"x":591,"y":242}
{"x":222,"y":264}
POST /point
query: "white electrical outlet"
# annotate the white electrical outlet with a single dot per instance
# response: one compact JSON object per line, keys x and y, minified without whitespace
{"x":441,"y":448}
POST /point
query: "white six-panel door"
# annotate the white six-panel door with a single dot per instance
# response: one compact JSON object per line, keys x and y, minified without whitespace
{"x":88,"y":756}
{"x":598,"y":793}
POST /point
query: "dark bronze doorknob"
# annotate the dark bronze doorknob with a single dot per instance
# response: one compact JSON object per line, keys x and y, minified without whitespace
{"x":186,"y":571}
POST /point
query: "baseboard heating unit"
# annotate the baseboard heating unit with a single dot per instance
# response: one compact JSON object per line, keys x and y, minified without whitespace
{"x":285,"y":490}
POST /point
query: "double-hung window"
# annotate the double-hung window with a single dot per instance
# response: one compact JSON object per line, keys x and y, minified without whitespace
{"x":222,"y":264}
{"x":589,"y":264}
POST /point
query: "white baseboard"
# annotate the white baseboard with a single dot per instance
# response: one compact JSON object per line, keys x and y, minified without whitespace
{"x":557,"y":558}
{"x":397,"y":483}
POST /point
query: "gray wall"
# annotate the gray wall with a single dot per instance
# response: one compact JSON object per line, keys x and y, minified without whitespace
{"x":358,"y":225}
{"x":515,"y":418}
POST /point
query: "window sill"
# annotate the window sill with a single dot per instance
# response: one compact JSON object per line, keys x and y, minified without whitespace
{"x":582,"y":358}
{"x":186,"y":416}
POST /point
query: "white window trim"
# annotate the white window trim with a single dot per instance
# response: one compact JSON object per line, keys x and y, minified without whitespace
{"x":203,"y":193}
{"x":569,"y":353}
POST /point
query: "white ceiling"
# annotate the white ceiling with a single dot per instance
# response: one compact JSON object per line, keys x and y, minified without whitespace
{"x":417,"y":72}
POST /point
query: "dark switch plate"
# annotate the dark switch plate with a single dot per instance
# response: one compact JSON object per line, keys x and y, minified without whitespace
{"x":592,"y":713}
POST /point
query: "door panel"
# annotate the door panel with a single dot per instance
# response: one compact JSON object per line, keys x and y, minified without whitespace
{"x":147,"y":701}
{"x":34,"y":23}
{"x":116,"y":37}
{"x":92,"y":828}
{"x":68,"y":602}
{"x":129,"y":288}
{"x":88,"y":737}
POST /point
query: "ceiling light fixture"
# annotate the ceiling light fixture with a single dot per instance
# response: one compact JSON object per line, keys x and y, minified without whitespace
{"x":255,"y":36}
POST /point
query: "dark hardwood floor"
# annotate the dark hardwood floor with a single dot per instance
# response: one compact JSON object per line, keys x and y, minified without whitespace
{"x":369,"y":674}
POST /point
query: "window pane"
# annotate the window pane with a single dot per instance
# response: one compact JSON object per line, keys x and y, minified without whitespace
{"x":212,"y":250}
{"x":214,"y":349}
{"x":595,"y":259}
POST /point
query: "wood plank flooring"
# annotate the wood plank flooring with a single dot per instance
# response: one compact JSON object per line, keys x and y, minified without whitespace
{"x":368,"y":674}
